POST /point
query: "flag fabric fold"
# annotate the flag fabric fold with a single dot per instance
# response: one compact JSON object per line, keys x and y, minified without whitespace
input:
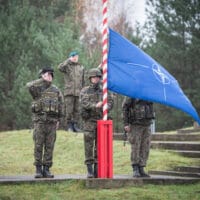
{"x":133,"y":73}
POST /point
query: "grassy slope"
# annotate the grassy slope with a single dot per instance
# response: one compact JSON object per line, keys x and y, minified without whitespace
{"x":16,"y":153}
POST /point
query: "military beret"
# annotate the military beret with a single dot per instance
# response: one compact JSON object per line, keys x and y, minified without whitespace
{"x":73,"y":53}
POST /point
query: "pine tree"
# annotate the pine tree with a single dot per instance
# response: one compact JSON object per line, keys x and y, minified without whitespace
{"x":175,"y":44}
{"x":31,"y":37}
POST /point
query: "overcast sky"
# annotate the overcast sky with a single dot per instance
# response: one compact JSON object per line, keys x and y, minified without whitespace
{"x":140,"y":10}
{"x":134,"y":9}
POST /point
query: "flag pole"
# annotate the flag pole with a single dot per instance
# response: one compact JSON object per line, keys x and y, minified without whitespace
{"x":104,"y":126}
{"x":105,"y":59}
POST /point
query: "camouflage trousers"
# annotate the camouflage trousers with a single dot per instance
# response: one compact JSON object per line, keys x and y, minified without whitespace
{"x":44,"y":136}
{"x":71,"y":109}
{"x":90,"y":146}
{"x":140,"y":139}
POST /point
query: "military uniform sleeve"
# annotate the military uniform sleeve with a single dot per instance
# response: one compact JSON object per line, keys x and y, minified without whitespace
{"x":34,"y":87}
{"x":110,"y":101}
{"x":63,"y":66}
{"x":85,"y":100}
{"x":61,"y":106}
{"x":126,"y":105}
{"x":83,"y":77}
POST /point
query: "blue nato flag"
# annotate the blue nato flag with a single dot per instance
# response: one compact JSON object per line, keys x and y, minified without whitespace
{"x":133,"y":73}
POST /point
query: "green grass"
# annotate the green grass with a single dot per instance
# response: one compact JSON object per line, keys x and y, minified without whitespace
{"x":16,"y":158}
{"x":76,"y":190}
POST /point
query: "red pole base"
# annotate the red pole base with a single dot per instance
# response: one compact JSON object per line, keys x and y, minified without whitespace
{"x":105,"y":148}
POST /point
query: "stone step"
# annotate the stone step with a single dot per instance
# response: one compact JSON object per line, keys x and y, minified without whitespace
{"x":165,"y":137}
{"x":190,"y":154}
{"x":116,"y":182}
{"x":175,"y":173}
{"x":196,"y":130}
{"x":192,"y":169}
{"x":175,"y":137}
{"x":191,"y":146}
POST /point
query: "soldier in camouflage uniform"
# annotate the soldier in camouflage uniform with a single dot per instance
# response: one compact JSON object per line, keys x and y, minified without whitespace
{"x":74,"y":81}
{"x":91,"y":110}
{"x":137,"y":117}
{"x":47,"y":111}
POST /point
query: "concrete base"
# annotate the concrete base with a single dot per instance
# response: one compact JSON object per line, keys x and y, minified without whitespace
{"x":117,"y":182}
{"x":32,"y":179}
{"x":123,"y":180}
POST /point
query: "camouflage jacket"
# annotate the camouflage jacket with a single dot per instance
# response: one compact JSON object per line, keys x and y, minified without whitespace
{"x":89,"y":97}
{"x":136,"y":111}
{"x":73,"y":77}
{"x":47,"y":104}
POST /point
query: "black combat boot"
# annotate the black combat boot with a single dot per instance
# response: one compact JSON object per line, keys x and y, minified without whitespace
{"x":142,"y":172}
{"x":38,"y":173}
{"x":90,"y":171}
{"x":76,"y":128}
{"x":95,"y":170}
{"x":136,"y":172}
{"x":70,"y":127}
{"x":46,"y":172}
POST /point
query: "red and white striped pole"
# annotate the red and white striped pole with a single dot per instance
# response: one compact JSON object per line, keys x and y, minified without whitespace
{"x":105,"y":59}
{"x":104,"y":127}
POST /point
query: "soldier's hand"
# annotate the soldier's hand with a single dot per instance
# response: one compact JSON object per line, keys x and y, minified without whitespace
{"x":99,"y":104}
{"x":127,"y":129}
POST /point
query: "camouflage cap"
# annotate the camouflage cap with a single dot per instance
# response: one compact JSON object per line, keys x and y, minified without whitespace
{"x":46,"y":69}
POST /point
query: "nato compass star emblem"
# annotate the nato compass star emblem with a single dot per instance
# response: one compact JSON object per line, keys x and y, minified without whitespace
{"x":160,"y":76}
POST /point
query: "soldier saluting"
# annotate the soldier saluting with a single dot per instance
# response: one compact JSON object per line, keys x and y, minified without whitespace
{"x":47,"y":112}
{"x":74,"y":81}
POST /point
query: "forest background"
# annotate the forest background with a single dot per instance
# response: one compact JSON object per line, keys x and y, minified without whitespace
{"x":34,"y":34}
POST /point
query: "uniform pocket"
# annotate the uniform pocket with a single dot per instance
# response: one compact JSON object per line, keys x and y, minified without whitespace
{"x":36,"y":106}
